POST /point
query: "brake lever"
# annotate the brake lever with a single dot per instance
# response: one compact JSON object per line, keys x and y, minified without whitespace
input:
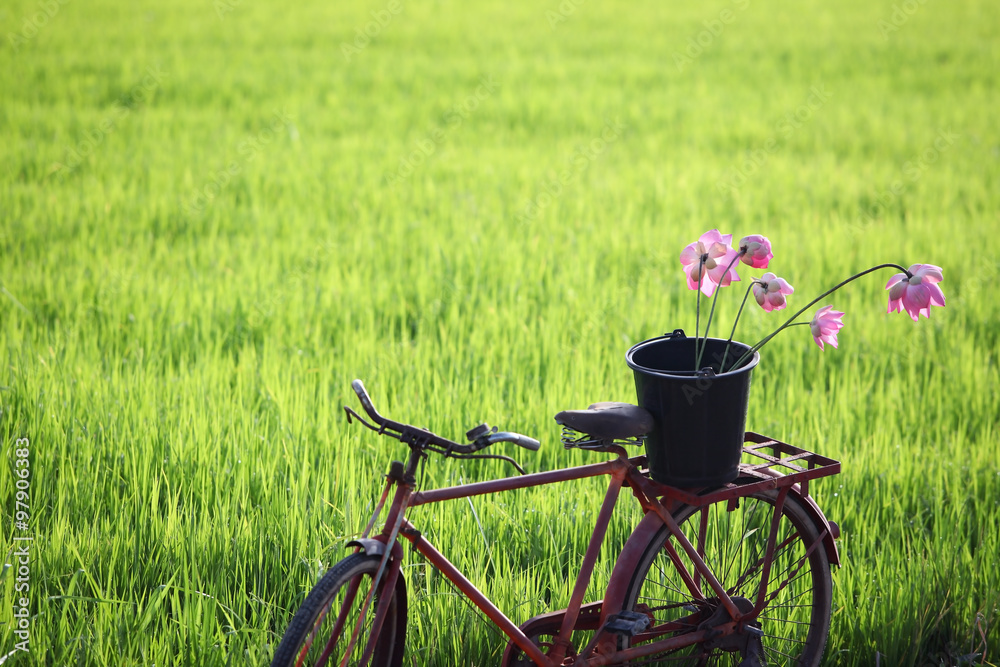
{"x":500,"y":457}
{"x":351,"y":413}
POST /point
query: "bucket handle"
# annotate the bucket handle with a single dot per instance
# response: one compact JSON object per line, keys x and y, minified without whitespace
{"x":678,"y":334}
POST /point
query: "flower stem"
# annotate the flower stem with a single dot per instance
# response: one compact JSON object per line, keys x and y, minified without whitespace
{"x":732,"y":333}
{"x":813,"y":303}
{"x":697,"y":315}
{"x":701,"y":350}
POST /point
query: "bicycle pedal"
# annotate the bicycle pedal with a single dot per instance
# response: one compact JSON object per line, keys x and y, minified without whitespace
{"x":629,"y":623}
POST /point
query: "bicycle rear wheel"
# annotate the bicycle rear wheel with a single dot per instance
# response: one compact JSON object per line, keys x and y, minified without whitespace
{"x":794,"y":624}
{"x":321,"y":629}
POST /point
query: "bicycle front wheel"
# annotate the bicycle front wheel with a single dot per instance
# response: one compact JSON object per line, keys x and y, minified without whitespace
{"x":793,"y":626}
{"x":321,"y":631}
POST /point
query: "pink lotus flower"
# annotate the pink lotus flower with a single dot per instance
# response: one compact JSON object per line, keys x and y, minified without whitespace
{"x":825,"y":325}
{"x":708,"y":264}
{"x":711,"y":259}
{"x":770,"y":291}
{"x":755,"y":250}
{"x":917,"y":292}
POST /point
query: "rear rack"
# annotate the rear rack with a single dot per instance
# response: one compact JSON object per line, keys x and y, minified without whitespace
{"x":785,"y":465}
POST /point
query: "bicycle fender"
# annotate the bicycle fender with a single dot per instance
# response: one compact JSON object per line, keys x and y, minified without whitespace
{"x":628,"y":563}
{"x":369,"y":546}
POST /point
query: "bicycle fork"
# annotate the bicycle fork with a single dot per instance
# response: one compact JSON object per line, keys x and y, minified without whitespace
{"x":387,"y":574}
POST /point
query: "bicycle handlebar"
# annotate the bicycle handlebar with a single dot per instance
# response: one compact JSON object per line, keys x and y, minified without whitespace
{"x":409,"y":434}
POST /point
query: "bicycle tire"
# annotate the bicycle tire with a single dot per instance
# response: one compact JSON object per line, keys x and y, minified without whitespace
{"x":795,"y":623}
{"x":314,"y":626}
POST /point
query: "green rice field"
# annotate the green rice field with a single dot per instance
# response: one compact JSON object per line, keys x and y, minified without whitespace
{"x":215,"y":214}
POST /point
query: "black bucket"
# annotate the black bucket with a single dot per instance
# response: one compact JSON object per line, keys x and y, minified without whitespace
{"x":697,"y":439}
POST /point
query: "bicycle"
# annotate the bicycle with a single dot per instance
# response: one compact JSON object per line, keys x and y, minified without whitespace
{"x":740,"y":572}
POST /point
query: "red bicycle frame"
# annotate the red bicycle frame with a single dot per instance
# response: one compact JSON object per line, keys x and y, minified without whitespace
{"x":657,"y":501}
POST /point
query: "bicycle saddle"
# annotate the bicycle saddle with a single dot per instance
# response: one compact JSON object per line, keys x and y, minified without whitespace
{"x":608,"y":420}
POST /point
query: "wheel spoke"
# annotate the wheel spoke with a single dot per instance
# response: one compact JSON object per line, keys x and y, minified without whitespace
{"x":681,"y":592}
{"x":770,"y":649}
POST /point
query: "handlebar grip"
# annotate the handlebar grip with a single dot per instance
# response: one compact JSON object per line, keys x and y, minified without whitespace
{"x":366,"y":401}
{"x":516,"y":438}
{"x":527,"y":443}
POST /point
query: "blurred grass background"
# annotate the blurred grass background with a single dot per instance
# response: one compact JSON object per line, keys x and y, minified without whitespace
{"x":213,"y":216}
